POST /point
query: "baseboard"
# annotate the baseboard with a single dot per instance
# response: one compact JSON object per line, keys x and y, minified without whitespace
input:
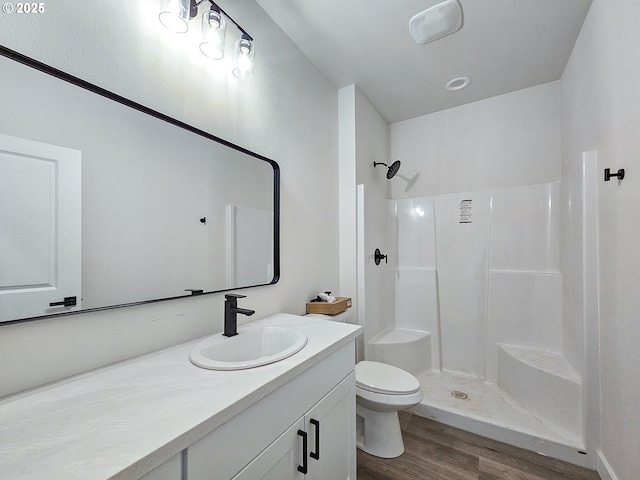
{"x":604,"y":469}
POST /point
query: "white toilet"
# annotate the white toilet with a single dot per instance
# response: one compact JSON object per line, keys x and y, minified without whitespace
{"x":381,"y":392}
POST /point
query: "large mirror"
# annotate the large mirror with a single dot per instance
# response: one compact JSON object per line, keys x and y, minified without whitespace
{"x":106,"y":203}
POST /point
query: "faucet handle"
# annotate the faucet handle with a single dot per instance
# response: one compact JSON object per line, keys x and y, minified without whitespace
{"x":231,"y":296}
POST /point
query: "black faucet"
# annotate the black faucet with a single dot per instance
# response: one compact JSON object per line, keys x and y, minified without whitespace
{"x":230,"y":311}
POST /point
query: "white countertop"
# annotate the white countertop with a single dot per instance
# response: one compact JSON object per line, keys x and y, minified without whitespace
{"x":123,"y":420}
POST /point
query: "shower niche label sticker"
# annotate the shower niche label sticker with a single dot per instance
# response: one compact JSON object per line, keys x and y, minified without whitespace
{"x":465,"y":211}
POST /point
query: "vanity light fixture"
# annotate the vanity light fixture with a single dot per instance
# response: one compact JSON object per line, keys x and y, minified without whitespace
{"x":244,"y":58}
{"x":214,"y":27}
{"x":176,"y":14}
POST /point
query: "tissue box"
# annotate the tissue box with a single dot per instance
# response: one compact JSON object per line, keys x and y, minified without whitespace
{"x":333,"y":308}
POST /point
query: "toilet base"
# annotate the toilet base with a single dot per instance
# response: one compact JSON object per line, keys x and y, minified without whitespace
{"x":379,"y":432}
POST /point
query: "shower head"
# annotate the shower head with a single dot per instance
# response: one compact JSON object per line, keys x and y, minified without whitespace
{"x":393,"y":168}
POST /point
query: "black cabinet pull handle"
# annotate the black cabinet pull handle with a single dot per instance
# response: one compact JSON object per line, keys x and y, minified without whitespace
{"x":316,"y":455}
{"x":303,"y":468}
{"x":67,"y":302}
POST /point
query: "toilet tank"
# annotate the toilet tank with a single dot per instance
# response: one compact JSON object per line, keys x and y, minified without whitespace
{"x":341,"y":317}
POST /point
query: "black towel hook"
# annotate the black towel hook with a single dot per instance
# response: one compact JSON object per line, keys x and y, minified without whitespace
{"x":608,"y":174}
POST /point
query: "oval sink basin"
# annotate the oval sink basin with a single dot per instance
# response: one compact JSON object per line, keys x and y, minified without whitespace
{"x":252,"y":347}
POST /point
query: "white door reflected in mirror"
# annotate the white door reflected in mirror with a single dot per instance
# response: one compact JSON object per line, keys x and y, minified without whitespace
{"x":40,"y":228}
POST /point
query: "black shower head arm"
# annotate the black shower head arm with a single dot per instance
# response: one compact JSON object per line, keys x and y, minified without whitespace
{"x":392,"y":170}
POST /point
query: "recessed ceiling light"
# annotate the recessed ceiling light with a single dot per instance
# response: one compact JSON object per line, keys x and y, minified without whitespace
{"x":457,"y":84}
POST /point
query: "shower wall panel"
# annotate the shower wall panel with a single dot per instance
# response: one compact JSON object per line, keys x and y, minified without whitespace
{"x":525,"y":309}
{"x":525,"y":228}
{"x":525,"y":286}
{"x":416,"y":299}
{"x":415,"y":227}
{"x":573,"y":216}
{"x":462,"y":244}
{"x":476,"y":269}
{"x":415,"y":281}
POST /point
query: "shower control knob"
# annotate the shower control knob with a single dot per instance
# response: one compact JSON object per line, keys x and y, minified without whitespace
{"x":377,"y":256}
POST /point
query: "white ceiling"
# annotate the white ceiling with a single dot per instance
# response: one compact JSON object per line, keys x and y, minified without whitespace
{"x":503,"y":46}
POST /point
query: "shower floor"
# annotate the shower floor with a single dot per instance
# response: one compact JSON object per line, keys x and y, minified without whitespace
{"x":491,"y":412}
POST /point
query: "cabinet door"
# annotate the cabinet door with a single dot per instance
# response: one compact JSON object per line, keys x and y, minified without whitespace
{"x":331,"y":427}
{"x":280,"y":460}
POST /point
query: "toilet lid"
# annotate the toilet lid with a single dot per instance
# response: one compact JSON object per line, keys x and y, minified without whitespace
{"x":382,"y":378}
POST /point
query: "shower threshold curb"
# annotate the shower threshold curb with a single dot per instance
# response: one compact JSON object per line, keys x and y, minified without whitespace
{"x":567,"y":450}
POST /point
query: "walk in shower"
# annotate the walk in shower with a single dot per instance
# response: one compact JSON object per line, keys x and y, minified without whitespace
{"x":483,"y":300}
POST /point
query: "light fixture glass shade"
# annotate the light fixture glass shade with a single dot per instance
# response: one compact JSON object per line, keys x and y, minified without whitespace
{"x":244,"y":58}
{"x":214,"y":28}
{"x":174,"y":14}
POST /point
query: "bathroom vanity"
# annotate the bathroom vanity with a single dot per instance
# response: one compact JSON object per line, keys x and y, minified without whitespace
{"x":159,"y":417}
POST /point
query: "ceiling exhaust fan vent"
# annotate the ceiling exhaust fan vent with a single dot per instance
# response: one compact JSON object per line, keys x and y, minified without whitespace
{"x":436,"y":22}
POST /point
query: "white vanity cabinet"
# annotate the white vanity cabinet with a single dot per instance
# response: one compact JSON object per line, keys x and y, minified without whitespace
{"x":267,"y":441}
{"x":321,"y":445}
{"x":331,"y":426}
{"x":280,"y":460}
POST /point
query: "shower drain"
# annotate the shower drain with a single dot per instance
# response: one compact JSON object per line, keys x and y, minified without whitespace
{"x":459,"y":395}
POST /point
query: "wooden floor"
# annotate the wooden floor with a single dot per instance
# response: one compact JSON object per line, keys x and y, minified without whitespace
{"x":434,"y":451}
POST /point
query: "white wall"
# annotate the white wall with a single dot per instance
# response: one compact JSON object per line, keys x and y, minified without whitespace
{"x":601,"y":105}
{"x":372,"y":145}
{"x":503,"y":141}
{"x":363,"y":123}
{"x":122,"y":47}
{"x":347,"y":196}
{"x":363,"y":140}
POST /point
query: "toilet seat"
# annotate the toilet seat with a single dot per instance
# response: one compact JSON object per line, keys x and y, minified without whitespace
{"x":385,"y":379}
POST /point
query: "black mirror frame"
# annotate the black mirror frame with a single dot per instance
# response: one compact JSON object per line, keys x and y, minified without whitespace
{"x":35,"y":64}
